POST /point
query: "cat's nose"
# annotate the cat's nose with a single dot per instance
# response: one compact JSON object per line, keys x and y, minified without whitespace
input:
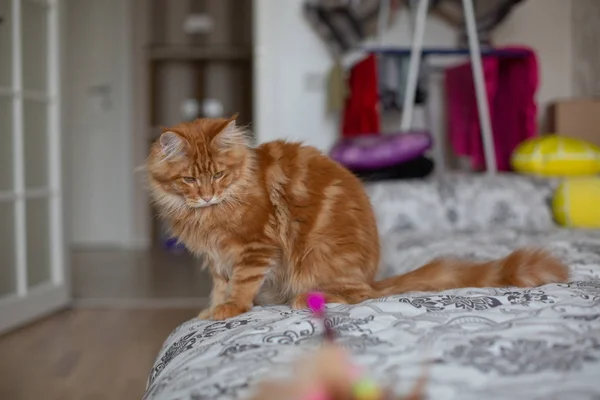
{"x":206,"y":198}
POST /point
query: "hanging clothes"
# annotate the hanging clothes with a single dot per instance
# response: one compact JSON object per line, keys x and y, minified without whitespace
{"x":343,"y":25}
{"x":361,"y":111}
{"x":511,"y":83}
{"x":488,"y":15}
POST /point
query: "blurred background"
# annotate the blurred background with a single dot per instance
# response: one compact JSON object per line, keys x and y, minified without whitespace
{"x":85,"y":86}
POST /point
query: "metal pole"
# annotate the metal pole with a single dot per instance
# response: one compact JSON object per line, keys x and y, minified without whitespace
{"x":480,"y":92}
{"x":414,"y":65}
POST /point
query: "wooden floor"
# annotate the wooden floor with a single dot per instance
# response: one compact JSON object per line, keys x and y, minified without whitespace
{"x":128,"y":278}
{"x":85,"y":354}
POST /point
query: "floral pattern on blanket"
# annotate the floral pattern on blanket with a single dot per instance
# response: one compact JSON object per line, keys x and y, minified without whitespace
{"x":492,"y":343}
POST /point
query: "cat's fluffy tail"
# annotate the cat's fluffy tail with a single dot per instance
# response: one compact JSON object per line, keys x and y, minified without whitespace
{"x":523,"y":268}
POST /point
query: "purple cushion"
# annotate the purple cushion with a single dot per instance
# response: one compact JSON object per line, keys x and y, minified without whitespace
{"x":379,"y":151}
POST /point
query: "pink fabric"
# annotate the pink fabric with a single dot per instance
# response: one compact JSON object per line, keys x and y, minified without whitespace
{"x":511,"y":84}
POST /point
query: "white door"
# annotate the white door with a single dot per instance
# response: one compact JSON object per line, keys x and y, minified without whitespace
{"x":32,"y":263}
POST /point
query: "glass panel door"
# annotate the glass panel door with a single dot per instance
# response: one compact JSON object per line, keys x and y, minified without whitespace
{"x":6,"y":138}
{"x":8,"y":272}
{"x":34,"y":31}
{"x":6,"y":29}
{"x":32,"y":267}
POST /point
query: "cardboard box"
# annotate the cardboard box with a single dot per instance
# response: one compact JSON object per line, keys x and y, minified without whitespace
{"x":577,"y":118}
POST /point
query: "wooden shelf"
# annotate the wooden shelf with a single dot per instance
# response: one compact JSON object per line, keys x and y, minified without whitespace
{"x":199,"y":53}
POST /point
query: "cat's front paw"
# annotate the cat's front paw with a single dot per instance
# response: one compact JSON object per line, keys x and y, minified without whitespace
{"x":228,"y":310}
{"x":206,"y":313}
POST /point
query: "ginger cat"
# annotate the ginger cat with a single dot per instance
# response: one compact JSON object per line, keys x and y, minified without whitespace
{"x":282,"y":219}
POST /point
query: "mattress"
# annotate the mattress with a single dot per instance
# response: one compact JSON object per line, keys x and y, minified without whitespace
{"x":487,"y":343}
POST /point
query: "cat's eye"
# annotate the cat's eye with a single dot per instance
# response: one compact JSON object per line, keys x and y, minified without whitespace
{"x":218,"y":175}
{"x":189,"y":179}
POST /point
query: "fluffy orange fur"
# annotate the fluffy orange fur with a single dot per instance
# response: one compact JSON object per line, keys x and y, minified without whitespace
{"x":279,"y":220}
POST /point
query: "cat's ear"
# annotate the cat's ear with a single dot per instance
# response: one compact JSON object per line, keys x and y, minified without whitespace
{"x":231,"y":135}
{"x":172,"y":145}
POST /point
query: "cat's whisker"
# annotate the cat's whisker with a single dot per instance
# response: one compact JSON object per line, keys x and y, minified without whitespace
{"x":238,"y":196}
{"x":227,"y":203}
{"x":231,"y":200}
{"x":244,"y":193}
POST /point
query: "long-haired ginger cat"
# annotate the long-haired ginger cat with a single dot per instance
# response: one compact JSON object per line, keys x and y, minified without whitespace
{"x":280,"y":220}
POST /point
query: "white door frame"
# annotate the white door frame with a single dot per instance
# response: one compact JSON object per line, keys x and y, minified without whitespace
{"x":28,"y":303}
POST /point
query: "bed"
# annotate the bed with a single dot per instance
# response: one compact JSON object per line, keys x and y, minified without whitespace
{"x":492,"y":343}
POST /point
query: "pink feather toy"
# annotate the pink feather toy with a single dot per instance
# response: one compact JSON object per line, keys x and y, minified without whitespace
{"x":329,"y":374}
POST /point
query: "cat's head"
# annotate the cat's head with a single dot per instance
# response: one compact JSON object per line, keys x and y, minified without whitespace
{"x":200,"y":164}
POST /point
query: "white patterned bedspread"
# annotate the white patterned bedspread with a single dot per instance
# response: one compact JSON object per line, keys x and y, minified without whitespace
{"x":541,"y":343}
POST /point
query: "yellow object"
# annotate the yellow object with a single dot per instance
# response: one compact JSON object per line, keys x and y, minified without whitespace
{"x":366,"y":389}
{"x":576,"y":203}
{"x":558,"y":156}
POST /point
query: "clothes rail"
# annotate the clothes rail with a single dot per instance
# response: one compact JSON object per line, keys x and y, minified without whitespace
{"x":417,"y":51}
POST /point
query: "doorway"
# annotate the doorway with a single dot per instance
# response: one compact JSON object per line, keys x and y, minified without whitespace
{"x":188,"y":59}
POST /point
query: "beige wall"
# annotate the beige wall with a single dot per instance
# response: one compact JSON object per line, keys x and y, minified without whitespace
{"x":586,"y":48}
{"x":140,"y":30}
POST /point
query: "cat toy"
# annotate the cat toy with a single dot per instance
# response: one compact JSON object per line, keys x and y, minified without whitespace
{"x":363,"y":388}
{"x":328,"y":374}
